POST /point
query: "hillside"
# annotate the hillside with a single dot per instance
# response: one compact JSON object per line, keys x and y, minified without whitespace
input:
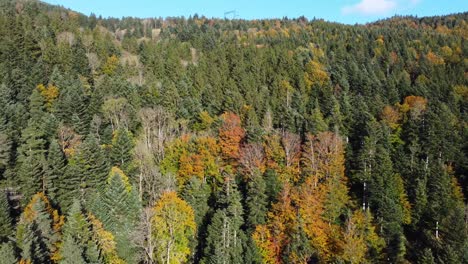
{"x":199,"y":140}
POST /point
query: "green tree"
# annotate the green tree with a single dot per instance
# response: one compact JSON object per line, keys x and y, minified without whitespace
{"x":7,"y":251}
{"x":6,"y":224}
{"x":121,"y":153}
{"x":224,"y":235}
{"x":78,"y":244}
{"x":119,"y":208}
{"x":38,"y":231}
{"x":54,"y":173}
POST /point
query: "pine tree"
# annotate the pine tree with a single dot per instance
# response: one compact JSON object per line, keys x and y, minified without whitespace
{"x":8,"y":254}
{"x":6,"y":227}
{"x":77,"y":236}
{"x":224,"y":235}
{"x":118,"y":207}
{"x":38,"y":231}
{"x":95,"y":163}
{"x":121,"y":151}
{"x":256,"y":202}
{"x":55,"y":171}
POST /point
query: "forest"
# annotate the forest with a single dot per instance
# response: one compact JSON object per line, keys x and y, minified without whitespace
{"x":203,"y":140}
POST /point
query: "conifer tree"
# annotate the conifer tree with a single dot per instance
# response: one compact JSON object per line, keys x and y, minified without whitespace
{"x":31,"y":158}
{"x":224,"y":235}
{"x":118,"y":207}
{"x":8,"y":254}
{"x":55,"y":171}
{"x":71,"y":253}
{"x":6,"y":225}
{"x":256,"y":202}
{"x":77,"y":237}
{"x":38,"y":231}
{"x":121,"y":152}
{"x":95,"y":163}
{"x":197,"y":193}
{"x":70,"y":184}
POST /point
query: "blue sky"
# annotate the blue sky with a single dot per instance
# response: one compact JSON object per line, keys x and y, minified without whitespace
{"x":344,"y":11}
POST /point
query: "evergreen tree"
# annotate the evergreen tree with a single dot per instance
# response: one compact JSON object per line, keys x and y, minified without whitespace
{"x":7,"y":251}
{"x":55,"y":171}
{"x":224,"y":235}
{"x":256,"y":202}
{"x":95,"y":163}
{"x":76,"y":237}
{"x":197,"y":193}
{"x":121,"y":151}
{"x":31,"y":158}
{"x":70,"y":185}
{"x":71,"y":253}
{"x":118,"y":207}
{"x":6,"y":224}
{"x":37,"y":233}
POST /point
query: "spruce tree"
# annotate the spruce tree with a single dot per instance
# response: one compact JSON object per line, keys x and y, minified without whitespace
{"x":71,"y":253}
{"x":95,"y":163}
{"x":256,"y":202}
{"x":77,"y":236}
{"x":224,"y":242}
{"x":8,"y":254}
{"x":121,"y":153}
{"x":197,"y":193}
{"x":70,"y":184}
{"x":55,"y":171}
{"x":31,"y":158}
{"x":37,"y":235}
{"x":6,"y":228}
{"x":118,"y":207}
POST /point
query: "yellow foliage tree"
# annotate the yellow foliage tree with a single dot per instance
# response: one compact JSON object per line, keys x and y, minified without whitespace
{"x":360,"y":238}
{"x":173,"y":227}
{"x":111,"y":65}
{"x":316,"y":75}
{"x":105,"y":241}
{"x":50,"y":93}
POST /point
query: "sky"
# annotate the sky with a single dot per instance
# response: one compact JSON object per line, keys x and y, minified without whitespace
{"x":343,"y":11}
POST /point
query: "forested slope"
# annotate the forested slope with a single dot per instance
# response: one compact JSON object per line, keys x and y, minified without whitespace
{"x":230,"y":141}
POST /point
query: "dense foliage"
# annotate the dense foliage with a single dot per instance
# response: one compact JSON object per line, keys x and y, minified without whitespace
{"x":231,"y":141}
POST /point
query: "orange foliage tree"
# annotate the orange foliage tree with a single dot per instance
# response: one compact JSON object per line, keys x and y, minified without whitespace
{"x":230,"y":136}
{"x":39,"y":218}
{"x":273,"y":237}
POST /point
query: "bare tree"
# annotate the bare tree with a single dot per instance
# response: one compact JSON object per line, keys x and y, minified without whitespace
{"x":292,"y":147}
{"x":252,"y":158}
{"x":69,"y":140}
{"x":158,"y":129}
{"x":143,"y":238}
{"x":115,"y":109}
{"x":151,"y":181}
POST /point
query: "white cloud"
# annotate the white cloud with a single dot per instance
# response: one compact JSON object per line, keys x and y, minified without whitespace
{"x":371,"y":7}
{"x":379,"y":7}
